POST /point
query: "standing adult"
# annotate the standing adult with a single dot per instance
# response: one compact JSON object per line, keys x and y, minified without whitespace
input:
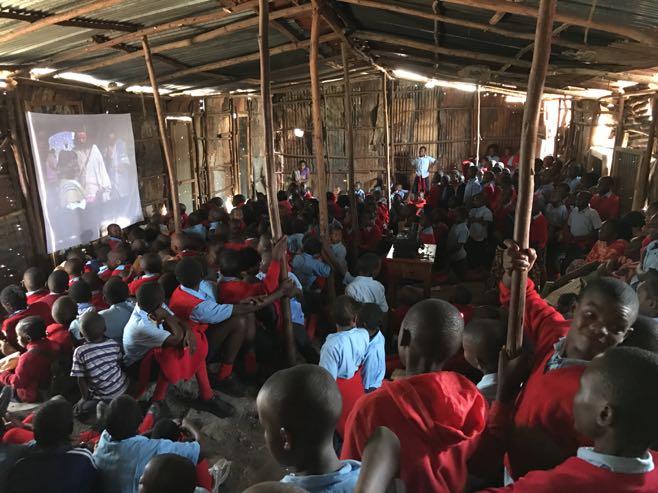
{"x":301,"y":176}
{"x":93,"y":174}
{"x":118,"y":163}
{"x":422,"y":165}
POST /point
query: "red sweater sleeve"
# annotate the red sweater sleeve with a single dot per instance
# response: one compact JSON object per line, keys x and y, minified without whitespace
{"x":22,"y":376}
{"x":271,"y":280}
{"x":544,"y":325}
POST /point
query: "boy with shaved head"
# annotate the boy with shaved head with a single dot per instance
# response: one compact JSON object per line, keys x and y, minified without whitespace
{"x":298,"y":409}
{"x":437,"y":415}
{"x":616,"y":409}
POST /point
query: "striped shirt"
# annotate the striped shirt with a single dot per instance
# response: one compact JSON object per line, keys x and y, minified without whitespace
{"x":100,"y":364}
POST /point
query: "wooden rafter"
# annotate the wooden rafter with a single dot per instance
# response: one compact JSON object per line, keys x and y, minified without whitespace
{"x":57,"y":18}
{"x":150,"y":31}
{"x":29,"y":15}
{"x":194,"y":40}
{"x":529,"y":48}
{"x":640,"y":35}
{"x":496,"y":18}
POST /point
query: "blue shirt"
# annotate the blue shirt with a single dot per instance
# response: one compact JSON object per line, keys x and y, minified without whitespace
{"x":296,"y":312}
{"x":341,"y":481}
{"x":344,"y":352}
{"x":471,"y":189}
{"x":122,"y":462}
{"x":374,"y":364}
{"x":116,"y":317}
{"x":295,"y":242}
{"x":140,"y":335}
{"x":208,"y":311}
{"x":307,"y":269}
{"x":198,"y":230}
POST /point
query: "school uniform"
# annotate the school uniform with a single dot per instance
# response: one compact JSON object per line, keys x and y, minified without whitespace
{"x":591,"y":471}
{"x":33,"y":370}
{"x":137,"y":283}
{"x":488,"y":386}
{"x":341,"y":481}
{"x":491,"y":193}
{"x":478,"y":234}
{"x":422,"y":179}
{"x":365,"y":289}
{"x":74,"y":328}
{"x":295,"y":242}
{"x":9,"y":324}
{"x":458,"y":235}
{"x":116,"y":317}
{"x":539,"y":231}
{"x":285,"y":207}
{"x":34,"y":296}
{"x":546,"y":401}
{"x":233,"y":290}
{"x":98,"y":301}
{"x":49,"y":299}
{"x":369,"y":237}
{"x":307,"y":268}
{"x":557,"y":216}
{"x":471,"y":188}
{"x":438,"y":418}
{"x":374,"y":363}
{"x":585,"y":222}
{"x":339,"y":252}
{"x":606,"y":205}
{"x":199,"y":308}
{"x":59,"y":335}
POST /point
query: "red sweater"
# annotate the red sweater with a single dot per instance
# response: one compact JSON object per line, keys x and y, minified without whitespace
{"x":438,"y":418}
{"x":232,"y":292}
{"x":606,"y":205}
{"x":182,"y":304}
{"x":578,"y":476}
{"x":60,"y":336}
{"x":36,"y":296}
{"x":50,"y":299}
{"x":98,"y":301}
{"x":370,"y":238}
{"x":539,"y":231}
{"x":545,"y":405}
{"x":32,"y":371}
{"x":9,"y":325}
{"x":137,"y":283}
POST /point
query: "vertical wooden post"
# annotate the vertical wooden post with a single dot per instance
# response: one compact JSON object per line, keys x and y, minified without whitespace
{"x":642,"y":176}
{"x":557,"y":129}
{"x":391,"y":138}
{"x":270,"y":180}
{"x":523,"y":215}
{"x":388,"y":140}
{"x":316,"y":111}
{"x":162,"y":127}
{"x":478,"y":122}
{"x":349,"y":149}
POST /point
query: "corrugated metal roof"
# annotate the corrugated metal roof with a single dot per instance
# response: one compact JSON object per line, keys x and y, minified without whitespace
{"x":53,"y":40}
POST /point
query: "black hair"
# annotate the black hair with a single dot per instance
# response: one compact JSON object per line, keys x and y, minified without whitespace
{"x":370,"y":317}
{"x":53,"y":423}
{"x":249,"y":259}
{"x":58,"y":281}
{"x":189,"y":272}
{"x":617,"y":291}
{"x":344,"y":310}
{"x":566,"y":300}
{"x":34,"y":279}
{"x":123,"y":415}
{"x":230,"y":262}
{"x":368,"y":264}
{"x":626,"y":375}
{"x":65,"y":310}
{"x":490,"y":336}
{"x":80,"y":292}
{"x":167,"y":429}
{"x":169,"y":473}
{"x":150,"y":296}
{"x":238,"y":199}
{"x":644,"y":335}
{"x":151,"y":263}
{"x":74,"y":266}
{"x":34,"y":327}
{"x":169,"y":283}
{"x":311,"y":245}
{"x":13,"y":298}
{"x":115,"y":291}
{"x":281,"y":195}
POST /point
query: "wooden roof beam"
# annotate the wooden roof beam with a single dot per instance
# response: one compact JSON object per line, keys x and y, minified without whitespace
{"x":639,"y":35}
{"x":252,"y":57}
{"x":496,"y":18}
{"x":29,"y":15}
{"x":57,"y":18}
{"x":419,"y":45}
{"x":530,"y":47}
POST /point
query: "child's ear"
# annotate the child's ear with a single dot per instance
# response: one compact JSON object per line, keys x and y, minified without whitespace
{"x":606,"y":417}
{"x":405,"y":338}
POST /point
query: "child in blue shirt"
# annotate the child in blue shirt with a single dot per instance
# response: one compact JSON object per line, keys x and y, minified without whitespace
{"x":299,"y":409}
{"x":370,"y":317}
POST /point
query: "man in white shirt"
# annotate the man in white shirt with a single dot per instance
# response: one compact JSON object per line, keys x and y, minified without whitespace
{"x":422,"y":165}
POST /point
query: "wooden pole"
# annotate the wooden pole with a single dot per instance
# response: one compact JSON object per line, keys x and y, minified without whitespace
{"x":642,"y":177}
{"x":316,"y":110}
{"x":523,"y":215}
{"x":349,"y":149}
{"x":270,"y":180}
{"x":557,"y":129}
{"x":388,"y":139}
{"x":162,"y":127}
{"x":478,"y":122}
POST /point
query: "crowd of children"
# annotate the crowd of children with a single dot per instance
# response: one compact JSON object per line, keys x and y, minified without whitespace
{"x":117,"y":323}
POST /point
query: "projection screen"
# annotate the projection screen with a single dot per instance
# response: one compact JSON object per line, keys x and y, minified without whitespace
{"x":86,"y":173}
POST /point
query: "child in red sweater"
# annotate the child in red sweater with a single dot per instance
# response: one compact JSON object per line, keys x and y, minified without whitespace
{"x":14,"y":302}
{"x":616,"y":409}
{"x":543,"y":417}
{"x":34,"y":283}
{"x":65,"y":311}
{"x":33,"y":370}
{"x":58,"y":284}
{"x":605,"y":202}
{"x":150,"y":267}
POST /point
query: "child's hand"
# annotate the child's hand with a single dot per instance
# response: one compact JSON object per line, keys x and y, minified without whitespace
{"x":514,"y":258}
{"x":512,"y":373}
{"x":6,"y":348}
{"x":190,"y":341}
{"x":253,"y":300}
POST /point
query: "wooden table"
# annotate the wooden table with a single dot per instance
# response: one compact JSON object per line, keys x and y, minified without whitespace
{"x":416,"y":269}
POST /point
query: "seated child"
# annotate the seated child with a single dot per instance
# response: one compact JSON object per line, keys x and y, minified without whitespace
{"x":299,"y":409}
{"x":364,"y":288}
{"x":74,"y":267}
{"x":168,"y":473}
{"x":33,"y":370}
{"x":604,"y":201}
{"x":370,"y":234}
{"x":65,"y":311}
{"x":122,"y":454}
{"x":609,"y":246}
{"x":81,"y":294}
{"x":96,"y":285}
{"x":35,"y":285}
{"x":426,"y":234}
{"x":566,"y":305}
{"x":58,"y":284}
{"x":14,"y":302}
{"x":457,"y":239}
{"x":116,"y":265}
{"x":308,"y":266}
{"x":285,"y":207}
{"x":480,"y":218}
{"x":338,"y":250}
{"x":370,"y":317}
{"x":607,"y":309}
{"x":51,"y":463}
{"x":150,"y":265}
{"x":152,"y":326}
{"x":613,"y":409}
{"x":438,"y":439}
{"x":97,"y":365}
{"x":647,"y":294}
{"x":114,"y":237}
{"x":483,"y":340}
{"x":116,"y":293}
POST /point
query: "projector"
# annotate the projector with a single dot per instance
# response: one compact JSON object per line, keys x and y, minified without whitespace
{"x":406,"y":244}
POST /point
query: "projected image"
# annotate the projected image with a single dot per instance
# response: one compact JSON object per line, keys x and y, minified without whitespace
{"x":87,"y":175}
